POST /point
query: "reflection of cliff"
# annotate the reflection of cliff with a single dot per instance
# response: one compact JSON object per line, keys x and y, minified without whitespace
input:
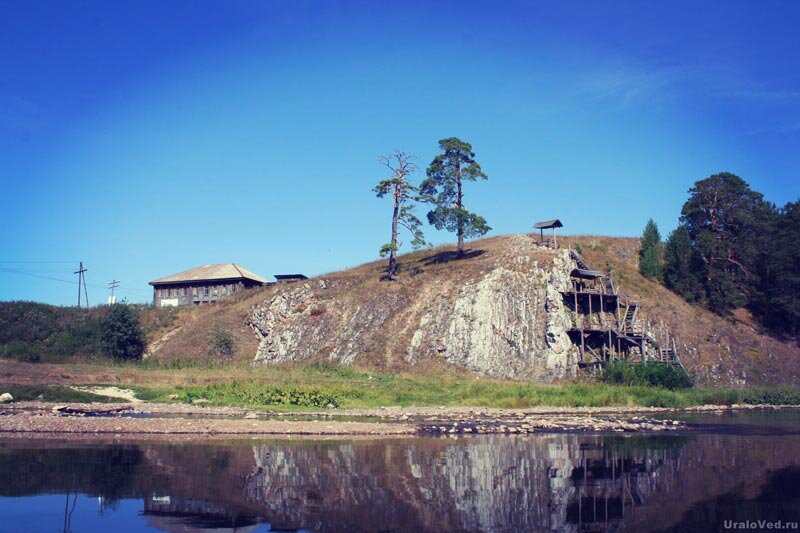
{"x":412,"y":484}
{"x":563,"y":482}
{"x":480,"y":483}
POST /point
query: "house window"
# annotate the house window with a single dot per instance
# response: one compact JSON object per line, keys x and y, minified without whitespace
{"x":205,"y":291}
{"x":216,"y":290}
{"x":194,"y":291}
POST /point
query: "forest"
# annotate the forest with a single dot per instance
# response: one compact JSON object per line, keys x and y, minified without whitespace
{"x":731,"y":249}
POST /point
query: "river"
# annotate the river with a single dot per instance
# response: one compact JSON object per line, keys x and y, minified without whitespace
{"x":735,"y":468}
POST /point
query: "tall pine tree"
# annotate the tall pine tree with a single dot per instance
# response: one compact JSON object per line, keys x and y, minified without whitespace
{"x":444,"y":187}
{"x":725,"y":218}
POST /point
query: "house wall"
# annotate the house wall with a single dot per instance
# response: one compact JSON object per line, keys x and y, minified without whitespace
{"x":198,"y":292}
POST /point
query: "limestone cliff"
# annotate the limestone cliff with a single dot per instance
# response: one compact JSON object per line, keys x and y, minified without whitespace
{"x":498,"y":312}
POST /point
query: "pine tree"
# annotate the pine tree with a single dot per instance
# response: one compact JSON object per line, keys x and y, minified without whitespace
{"x":724,"y":218}
{"x":781,"y":296}
{"x":683,"y":267}
{"x":444,"y":188}
{"x":651,"y":252}
{"x":402,"y":192}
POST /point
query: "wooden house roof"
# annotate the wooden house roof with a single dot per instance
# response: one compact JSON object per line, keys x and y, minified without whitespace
{"x":215,"y":272}
{"x":547,"y":224}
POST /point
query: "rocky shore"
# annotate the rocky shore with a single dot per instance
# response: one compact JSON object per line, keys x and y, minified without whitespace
{"x":128,"y":420}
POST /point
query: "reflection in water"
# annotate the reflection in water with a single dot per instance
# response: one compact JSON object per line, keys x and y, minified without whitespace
{"x":481,"y":483}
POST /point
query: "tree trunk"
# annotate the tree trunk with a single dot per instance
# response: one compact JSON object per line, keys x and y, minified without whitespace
{"x":459,"y":205}
{"x":391,"y":271}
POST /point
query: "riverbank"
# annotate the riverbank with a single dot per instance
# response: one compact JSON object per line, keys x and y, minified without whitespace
{"x":176,"y":421}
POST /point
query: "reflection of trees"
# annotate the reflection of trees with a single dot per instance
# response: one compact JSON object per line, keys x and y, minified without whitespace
{"x":68,"y":510}
{"x":103,"y":471}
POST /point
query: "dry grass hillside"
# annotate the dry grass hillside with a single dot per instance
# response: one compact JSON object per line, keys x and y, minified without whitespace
{"x":384,"y":316}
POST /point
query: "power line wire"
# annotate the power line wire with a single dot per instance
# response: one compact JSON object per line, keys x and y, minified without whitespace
{"x":136,"y":292}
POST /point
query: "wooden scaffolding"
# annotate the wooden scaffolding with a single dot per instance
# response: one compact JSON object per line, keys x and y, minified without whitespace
{"x":607,"y":326}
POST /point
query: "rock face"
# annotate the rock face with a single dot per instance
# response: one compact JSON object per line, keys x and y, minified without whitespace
{"x":500,"y":315}
{"x":509,"y":324}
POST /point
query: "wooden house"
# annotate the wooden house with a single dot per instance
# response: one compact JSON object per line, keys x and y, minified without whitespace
{"x":203,"y":285}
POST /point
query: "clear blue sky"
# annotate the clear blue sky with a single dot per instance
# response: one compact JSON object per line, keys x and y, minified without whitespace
{"x":145,"y":138}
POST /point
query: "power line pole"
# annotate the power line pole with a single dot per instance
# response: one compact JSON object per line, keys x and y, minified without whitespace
{"x":82,"y":281}
{"x":113,"y":285}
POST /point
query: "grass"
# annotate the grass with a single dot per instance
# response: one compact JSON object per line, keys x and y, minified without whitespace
{"x":315,"y":386}
{"x":53,"y":393}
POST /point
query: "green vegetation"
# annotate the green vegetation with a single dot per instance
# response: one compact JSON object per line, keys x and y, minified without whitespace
{"x":123,"y":336}
{"x":734,"y":249}
{"x":220,"y":344}
{"x":33,"y":332}
{"x":683,"y":268}
{"x":402,"y":193}
{"x":655,"y":374}
{"x":53,"y":393}
{"x":40,"y":333}
{"x":651,"y":252}
{"x":314,"y":387}
{"x":253,"y":393}
{"x":446,"y":175}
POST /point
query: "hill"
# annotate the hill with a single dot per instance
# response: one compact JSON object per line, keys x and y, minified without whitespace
{"x":497,"y":312}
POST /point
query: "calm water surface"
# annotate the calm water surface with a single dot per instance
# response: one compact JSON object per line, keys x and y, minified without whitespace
{"x":741,"y":467}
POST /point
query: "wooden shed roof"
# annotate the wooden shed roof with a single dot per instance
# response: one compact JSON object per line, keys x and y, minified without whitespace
{"x":211,"y":273}
{"x":547,"y":224}
{"x":285,"y":277}
{"x":586,"y":274}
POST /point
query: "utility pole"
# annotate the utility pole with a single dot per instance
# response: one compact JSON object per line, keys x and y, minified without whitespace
{"x":113,"y":285}
{"x":82,"y":281}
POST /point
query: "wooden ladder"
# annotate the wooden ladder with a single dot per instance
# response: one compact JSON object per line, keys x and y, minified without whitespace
{"x":630,"y":316}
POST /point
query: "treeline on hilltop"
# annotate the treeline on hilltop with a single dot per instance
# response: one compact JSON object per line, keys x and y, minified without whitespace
{"x":731,"y":249}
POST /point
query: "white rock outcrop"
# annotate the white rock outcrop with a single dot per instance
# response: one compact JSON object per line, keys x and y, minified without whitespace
{"x":506,"y":321}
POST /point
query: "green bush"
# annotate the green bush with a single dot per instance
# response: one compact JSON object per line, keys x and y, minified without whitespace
{"x":653,"y":374}
{"x":122,"y":334}
{"x":220,"y":344}
{"x":254,"y":393}
{"x":22,"y":351}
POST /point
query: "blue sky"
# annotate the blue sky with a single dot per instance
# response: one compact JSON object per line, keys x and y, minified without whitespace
{"x":145,"y":138}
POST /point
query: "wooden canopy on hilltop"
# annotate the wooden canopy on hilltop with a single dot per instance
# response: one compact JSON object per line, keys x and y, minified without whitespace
{"x":548,"y":224}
